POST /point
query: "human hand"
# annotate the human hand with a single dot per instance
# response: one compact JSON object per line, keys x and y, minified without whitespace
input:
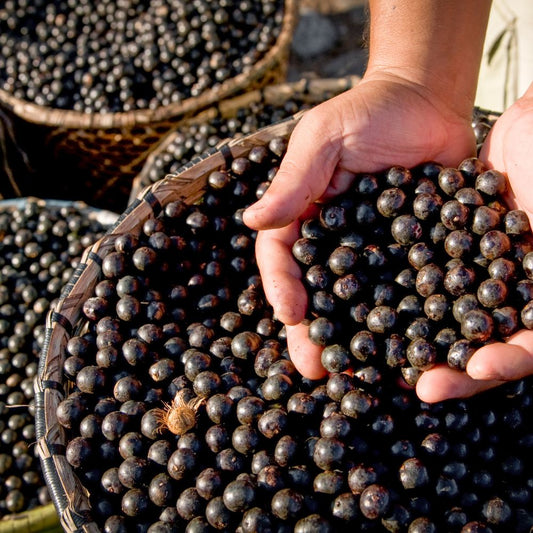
{"x":507,"y":150}
{"x":385,"y":120}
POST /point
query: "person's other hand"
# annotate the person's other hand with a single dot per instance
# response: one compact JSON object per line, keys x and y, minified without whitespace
{"x":385,"y":120}
{"x":507,"y":149}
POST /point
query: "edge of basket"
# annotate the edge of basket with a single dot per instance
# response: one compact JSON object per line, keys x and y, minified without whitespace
{"x":271,"y":94}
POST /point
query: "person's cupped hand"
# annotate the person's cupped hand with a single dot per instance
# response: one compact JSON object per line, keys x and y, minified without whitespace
{"x":383,"y":121}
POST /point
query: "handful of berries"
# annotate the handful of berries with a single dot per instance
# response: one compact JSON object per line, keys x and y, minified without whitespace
{"x":417,"y":266}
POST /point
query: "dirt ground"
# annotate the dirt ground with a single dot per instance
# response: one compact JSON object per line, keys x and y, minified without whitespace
{"x":329,"y":40}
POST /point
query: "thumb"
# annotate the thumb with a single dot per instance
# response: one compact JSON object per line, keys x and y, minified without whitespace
{"x":303,"y":175}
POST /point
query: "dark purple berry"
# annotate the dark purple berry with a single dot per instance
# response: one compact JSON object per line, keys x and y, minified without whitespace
{"x":492,"y":293}
{"x":363,"y":345}
{"x":460,"y":353}
{"x":406,"y":229}
{"x":477,"y":325}
{"x":413,"y":474}
{"x":494,"y":244}
{"x":321,"y":331}
{"x":491,"y":183}
{"x":450,"y":180}
{"x":335,"y":358}
{"x":287,"y":504}
{"x":342,"y":260}
{"x":374,"y":501}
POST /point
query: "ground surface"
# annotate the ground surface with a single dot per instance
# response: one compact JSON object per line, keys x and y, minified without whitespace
{"x":329,"y":40}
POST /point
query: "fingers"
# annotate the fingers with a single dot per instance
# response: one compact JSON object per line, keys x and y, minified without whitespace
{"x":490,"y":366}
{"x":304,"y":354}
{"x":340,"y":182}
{"x":504,"y":361}
{"x":281,"y":274}
{"x":303,"y":176}
{"x":507,"y":148}
{"x":443,"y":383}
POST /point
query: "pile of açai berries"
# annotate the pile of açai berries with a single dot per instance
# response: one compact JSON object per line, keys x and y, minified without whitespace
{"x":40,"y":245}
{"x":417,"y":267}
{"x":108,"y":57}
{"x":179,"y":318}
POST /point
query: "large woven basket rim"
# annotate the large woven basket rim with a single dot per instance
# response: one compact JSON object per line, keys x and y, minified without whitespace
{"x":70,"y":119}
{"x":68,"y":495}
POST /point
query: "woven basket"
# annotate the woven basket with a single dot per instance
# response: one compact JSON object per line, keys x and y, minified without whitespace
{"x":68,"y":494}
{"x":305,"y":92}
{"x":107,"y":150}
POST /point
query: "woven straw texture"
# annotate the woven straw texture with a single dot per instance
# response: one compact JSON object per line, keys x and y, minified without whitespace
{"x":110,"y":148}
{"x":70,"y":497}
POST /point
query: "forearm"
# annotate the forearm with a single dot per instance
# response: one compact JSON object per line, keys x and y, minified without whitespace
{"x":436,"y":44}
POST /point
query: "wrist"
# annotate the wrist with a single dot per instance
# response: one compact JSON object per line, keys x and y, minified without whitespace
{"x":436,"y":46}
{"x":402,"y":81}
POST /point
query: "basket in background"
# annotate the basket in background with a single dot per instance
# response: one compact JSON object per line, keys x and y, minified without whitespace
{"x":262,"y":106}
{"x":94,"y":156}
{"x":33,"y":220}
